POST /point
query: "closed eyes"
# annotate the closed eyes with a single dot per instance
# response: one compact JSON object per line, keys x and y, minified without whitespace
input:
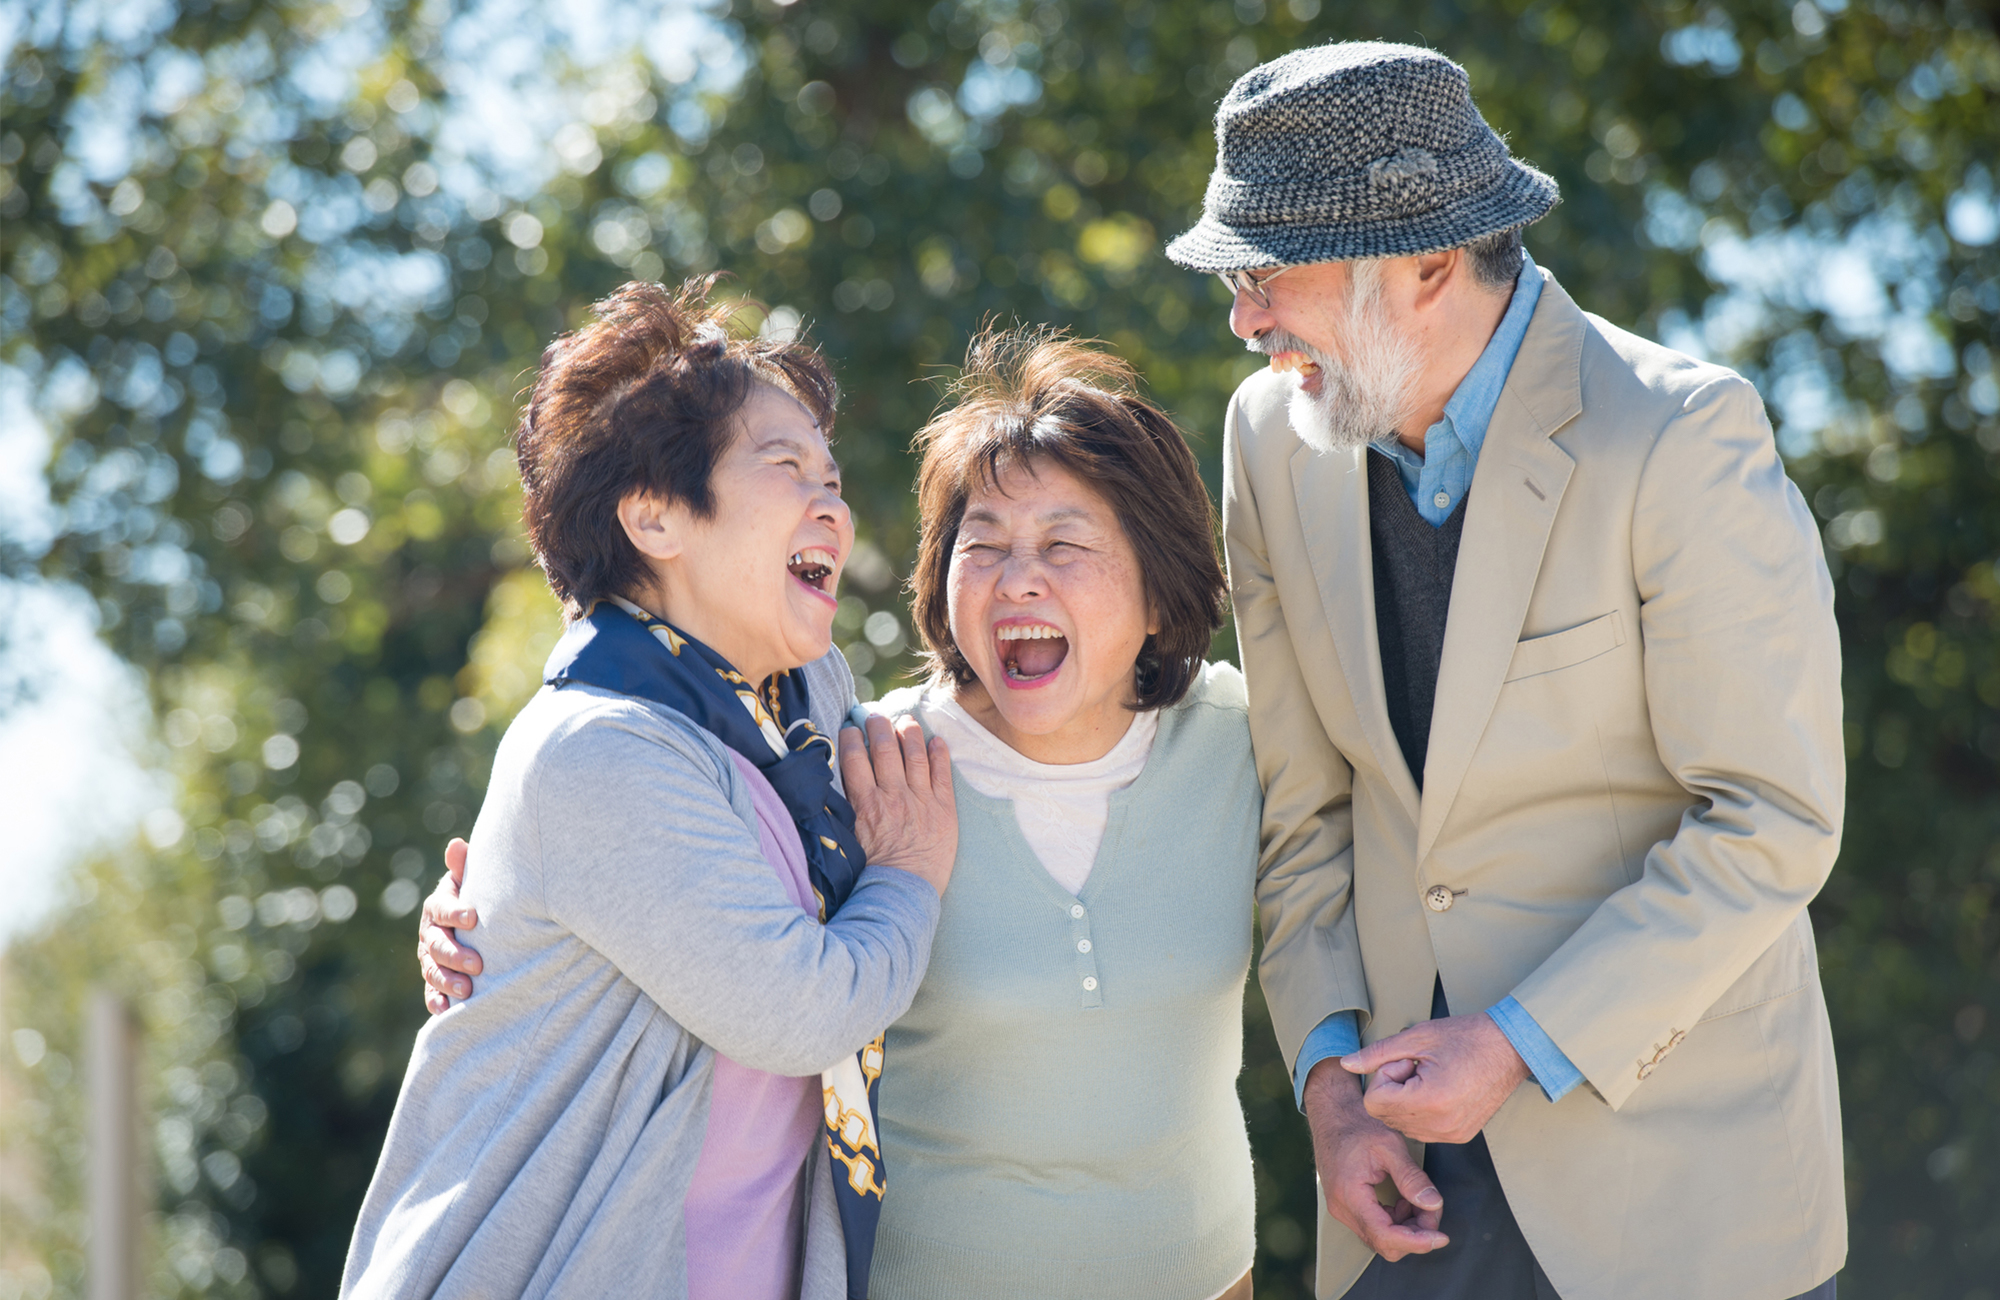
{"x":799,"y":467}
{"x":999,"y":549}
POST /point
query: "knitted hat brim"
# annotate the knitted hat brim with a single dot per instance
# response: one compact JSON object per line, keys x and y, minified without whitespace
{"x":1518,"y":196}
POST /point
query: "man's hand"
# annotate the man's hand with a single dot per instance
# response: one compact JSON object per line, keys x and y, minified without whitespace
{"x":1440,"y":1081}
{"x":1356,"y":1153}
{"x":905,"y":810}
{"x":438,"y":948}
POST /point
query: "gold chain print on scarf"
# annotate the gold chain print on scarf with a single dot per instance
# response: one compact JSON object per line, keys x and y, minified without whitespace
{"x":850,"y":1121}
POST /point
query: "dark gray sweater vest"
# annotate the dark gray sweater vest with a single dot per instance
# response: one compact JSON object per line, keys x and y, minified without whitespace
{"x":1413,"y":569}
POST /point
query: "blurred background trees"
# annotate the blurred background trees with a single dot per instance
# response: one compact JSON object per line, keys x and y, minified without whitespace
{"x":271,"y":276}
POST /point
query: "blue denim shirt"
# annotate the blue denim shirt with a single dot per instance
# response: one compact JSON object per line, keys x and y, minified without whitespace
{"x":1437,"y":481}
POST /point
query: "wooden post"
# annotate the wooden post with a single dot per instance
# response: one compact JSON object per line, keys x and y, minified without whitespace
{"x":111,"y":1071}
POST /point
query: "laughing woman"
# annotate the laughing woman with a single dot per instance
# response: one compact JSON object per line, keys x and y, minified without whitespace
{"x":681,"y":937}
{"x":1064,"y":1110}
{"x":1062,"y":1117}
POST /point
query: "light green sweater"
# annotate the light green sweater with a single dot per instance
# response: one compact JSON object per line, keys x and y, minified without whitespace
{"x":1059,"y":1113}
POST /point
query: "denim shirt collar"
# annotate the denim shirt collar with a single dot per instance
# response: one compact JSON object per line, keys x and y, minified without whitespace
{"x":1471,"y":407}
{"x":1452,"y":445}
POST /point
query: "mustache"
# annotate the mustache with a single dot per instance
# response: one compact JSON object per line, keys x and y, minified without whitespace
{"x":1270,"y":345}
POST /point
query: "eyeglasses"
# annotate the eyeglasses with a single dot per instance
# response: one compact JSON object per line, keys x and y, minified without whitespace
{"x":1251,"y":285}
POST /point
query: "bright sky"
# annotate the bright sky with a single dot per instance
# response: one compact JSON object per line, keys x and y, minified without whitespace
{"x":69,"y":761}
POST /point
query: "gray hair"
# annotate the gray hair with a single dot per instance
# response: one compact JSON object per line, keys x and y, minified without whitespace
{"x":1496,"y":259}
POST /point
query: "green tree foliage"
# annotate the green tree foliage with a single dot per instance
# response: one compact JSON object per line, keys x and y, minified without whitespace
{"x":273,"y":276}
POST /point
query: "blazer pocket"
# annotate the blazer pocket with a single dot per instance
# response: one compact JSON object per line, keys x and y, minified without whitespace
{"x":1545,"y":654}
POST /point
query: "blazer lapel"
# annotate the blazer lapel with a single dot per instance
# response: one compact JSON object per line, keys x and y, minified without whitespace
{"x":1516,"y":491}
{"x":1331,"y":492}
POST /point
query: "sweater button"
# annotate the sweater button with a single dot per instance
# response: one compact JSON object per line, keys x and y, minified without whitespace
{"x":1083,"y":945}
{"x":1438,"y":898}
{"x":1076,"y":910}
{"x":1090,"y":984}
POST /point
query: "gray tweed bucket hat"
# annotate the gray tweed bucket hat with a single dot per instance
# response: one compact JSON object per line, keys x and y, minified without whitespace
{"x":1359,"y":149}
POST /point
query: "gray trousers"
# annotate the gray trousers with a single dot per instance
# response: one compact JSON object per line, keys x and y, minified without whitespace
{"x":1488,"y":1258}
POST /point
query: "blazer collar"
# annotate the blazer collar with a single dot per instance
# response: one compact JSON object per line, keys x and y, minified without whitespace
{"x":1547,"y":376}
{"x":1331,"y":493}
{"x":1516,"y":491}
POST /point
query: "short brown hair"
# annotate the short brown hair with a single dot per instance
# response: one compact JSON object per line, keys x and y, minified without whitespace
{"x":1036,"y":395}
{"x":642,"y":398}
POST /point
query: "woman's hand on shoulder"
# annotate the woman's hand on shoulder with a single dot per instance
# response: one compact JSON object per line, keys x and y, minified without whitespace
{"x":438,"y":948}
{"x":904,"y":810}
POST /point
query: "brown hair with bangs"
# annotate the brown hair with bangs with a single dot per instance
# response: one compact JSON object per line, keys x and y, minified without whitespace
{"x":641,"y":398}
{"x":1030,"y":397}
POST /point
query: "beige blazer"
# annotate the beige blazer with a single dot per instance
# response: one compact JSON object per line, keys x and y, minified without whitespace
{"x":1634,"y":786}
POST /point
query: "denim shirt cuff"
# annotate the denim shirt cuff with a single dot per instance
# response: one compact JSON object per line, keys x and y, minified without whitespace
{"x":1337,"y":1035}
{"x":1553,"y":1072}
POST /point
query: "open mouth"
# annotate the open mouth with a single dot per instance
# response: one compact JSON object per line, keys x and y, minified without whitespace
{"x":1030,"y":653}
{"x":813,"y":567}
{"x":1291,"y":361}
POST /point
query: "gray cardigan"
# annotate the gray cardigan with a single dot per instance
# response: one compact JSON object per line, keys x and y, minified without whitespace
{"x":548,"y":1128}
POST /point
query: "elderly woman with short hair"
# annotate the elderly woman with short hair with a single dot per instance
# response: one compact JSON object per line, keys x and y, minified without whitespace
{"x":1062,"y":1117}
{"x":690,"y":958}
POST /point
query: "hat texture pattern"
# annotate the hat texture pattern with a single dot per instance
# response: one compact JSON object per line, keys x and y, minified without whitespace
{"x":1354,"y":150}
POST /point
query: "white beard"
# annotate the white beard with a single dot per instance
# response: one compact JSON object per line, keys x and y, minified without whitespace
{"x":1365,"y":396}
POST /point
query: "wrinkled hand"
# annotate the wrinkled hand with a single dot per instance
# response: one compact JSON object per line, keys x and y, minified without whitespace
{"x":904,"y":811}
{"x":438,"y":948}
{"x":1440,"y":1081}
{"x":1365,"y":1171}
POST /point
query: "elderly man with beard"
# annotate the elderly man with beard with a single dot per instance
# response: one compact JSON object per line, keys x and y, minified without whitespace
{"x":1545,"y":698}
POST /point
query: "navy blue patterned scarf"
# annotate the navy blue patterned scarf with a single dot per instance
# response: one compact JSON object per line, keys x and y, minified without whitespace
{"x":619,"y":647}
